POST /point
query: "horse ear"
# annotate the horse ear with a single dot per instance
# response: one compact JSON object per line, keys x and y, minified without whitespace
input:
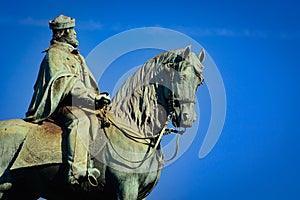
{"x":201,"y":55}
{"x":186,"y":51}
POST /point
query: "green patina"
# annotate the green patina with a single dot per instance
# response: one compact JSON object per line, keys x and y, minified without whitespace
{"x":141,"y":105}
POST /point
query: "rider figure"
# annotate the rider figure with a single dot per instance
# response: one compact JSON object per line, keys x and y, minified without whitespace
{"x":66,"y":92}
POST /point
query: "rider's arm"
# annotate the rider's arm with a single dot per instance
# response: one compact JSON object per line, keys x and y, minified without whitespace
{"x":88,"y":97}
{"x":83,"y":96}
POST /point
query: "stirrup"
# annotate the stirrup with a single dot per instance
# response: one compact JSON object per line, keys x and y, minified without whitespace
{"x":92,"y":176}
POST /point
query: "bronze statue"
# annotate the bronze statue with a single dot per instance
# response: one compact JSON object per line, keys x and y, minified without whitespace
{"x":66,"y":92}
{"x":126,"y":157}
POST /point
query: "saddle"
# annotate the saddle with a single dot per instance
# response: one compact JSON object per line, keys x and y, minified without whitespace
{"x":46,"y":143}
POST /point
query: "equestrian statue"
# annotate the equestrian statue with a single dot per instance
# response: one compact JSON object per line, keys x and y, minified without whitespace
{"x":77,"y":143}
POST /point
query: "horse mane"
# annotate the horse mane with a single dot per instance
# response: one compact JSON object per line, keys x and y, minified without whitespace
{"x":135,"y":104}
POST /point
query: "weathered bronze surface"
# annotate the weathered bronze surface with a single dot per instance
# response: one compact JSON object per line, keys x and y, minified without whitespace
{"x":127,"y":153}
{"x":66,"y":92}
{"x":44,"y":144}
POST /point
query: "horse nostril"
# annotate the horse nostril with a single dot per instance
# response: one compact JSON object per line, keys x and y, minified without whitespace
{"x":185,"y":116}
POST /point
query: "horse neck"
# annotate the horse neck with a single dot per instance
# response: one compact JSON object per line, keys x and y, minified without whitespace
{"x":136,"y":104}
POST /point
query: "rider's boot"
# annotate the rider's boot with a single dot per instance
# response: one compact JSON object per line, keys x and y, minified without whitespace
{"x":77,"y":160}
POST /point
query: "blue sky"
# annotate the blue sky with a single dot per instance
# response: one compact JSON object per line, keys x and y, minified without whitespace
{"x":255,"y":45}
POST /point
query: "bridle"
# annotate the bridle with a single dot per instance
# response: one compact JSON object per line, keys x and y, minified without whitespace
{"x":129,"y":134}
{"x":172,"y":102}
{"x":137,"y":137}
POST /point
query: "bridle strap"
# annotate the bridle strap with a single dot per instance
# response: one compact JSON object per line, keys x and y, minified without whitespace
{"x":154,"y":148}
{"x":132,"y":134}
{"x":185,"y":100}
{"x":176,"y":150}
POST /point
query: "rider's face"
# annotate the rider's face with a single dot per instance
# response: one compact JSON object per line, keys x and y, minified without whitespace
{"x":72,"y":37}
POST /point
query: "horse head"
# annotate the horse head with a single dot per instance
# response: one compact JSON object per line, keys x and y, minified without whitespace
{"x":184,"y":75}
{"x":165,"y":85}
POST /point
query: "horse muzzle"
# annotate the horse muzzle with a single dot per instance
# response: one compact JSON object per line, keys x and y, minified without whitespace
{"x":183,"y":120}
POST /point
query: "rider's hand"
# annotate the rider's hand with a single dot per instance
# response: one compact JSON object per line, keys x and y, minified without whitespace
{"x":102,"y":100}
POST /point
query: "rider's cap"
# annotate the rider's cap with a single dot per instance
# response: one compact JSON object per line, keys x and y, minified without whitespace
{"x":62,"y":22}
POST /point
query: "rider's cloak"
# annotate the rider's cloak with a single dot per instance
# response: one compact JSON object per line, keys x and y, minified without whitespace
{"x":61,"y":69}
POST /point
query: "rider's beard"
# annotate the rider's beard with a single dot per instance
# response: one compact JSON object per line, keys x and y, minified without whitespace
{"x":72,"y":41}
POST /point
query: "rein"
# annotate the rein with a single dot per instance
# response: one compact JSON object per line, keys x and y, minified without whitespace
{"x":158,"y":136}
{"x":132,"y":133}
{"x":164,"y":131}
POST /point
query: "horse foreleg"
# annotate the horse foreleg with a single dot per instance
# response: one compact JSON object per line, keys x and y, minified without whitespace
{"x":128,"y":190}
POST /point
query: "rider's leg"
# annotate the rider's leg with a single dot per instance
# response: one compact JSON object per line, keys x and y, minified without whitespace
{"x":78,"y":124}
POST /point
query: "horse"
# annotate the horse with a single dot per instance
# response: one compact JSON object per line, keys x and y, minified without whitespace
{"x":127,"y":150}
